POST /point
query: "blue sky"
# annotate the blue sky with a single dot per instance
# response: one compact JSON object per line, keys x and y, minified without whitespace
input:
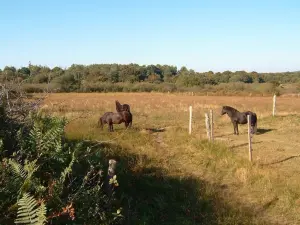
{"x":202,"y":35}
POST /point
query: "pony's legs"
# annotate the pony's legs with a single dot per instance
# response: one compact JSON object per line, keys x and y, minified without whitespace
{"x":255,"y":128}
{"x":128,"y":125}
{"x":235,"y":128}
{"x":100,"y":124}
{"x":110,"y":125}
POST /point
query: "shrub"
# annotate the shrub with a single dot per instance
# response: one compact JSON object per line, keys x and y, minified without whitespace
{"x":43,"y":176}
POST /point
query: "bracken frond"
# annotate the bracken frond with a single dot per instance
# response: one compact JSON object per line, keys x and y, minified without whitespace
{"x":67,"y":170}
{"x":17,"y":169}
{"x":29,"y":212}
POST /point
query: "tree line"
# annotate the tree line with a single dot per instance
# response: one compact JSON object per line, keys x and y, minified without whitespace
{"x":88,"y":78}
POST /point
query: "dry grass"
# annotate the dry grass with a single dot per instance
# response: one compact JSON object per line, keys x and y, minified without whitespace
{"x":265,"y":192}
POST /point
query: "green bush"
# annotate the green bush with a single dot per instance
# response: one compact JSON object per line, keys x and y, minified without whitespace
{"x":47,"y":177}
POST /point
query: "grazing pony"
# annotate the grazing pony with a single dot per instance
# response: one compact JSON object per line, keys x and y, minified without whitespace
{"x":111,"y":118}
{"x":120,"y":107}
{"x":240,"y":118}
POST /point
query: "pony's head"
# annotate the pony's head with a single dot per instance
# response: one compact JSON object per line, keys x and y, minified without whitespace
{"x":126,"y":107}
{"x":121,"y":108}
{"x":224,"y":110}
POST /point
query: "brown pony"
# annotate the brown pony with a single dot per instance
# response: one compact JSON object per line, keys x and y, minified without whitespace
{"x":238,"y":117}
{"x":111,"y":118}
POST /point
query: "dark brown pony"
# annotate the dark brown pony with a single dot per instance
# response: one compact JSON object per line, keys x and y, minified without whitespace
{"x":240,"y":118}
{"x":121,"y":108}
{"x":111,"y":118}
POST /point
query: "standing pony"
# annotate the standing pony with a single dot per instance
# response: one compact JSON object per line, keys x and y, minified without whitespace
{"x":111,"y":118}
{"x":240,"y":118}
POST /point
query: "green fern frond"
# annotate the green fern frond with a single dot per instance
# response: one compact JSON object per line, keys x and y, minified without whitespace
{"x":29,"y":212}
{"x":1,"y":145}
{"x":17,"y":169}
{"x":43,"y":140}
{"x":30,"y":168}
{"x":58,"y":146}
{"x":67,"y":170}
{"x":24,"y":172}
{"x":52,"y":138}
{"x":34,"y":137}
{"x":20,"y":139}
{"x":41,"y":214}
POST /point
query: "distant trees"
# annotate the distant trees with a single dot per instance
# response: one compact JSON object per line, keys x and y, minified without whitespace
{"x":24,"y":71}
{"x":241,"y":76}
{"x":9,"y":73}
{"x":79,"y":77}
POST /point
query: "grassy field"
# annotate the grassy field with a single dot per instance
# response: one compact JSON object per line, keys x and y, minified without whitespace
{"x":169,"y":177}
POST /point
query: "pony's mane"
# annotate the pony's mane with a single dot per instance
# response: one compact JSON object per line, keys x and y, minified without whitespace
{"x":226,"y":107}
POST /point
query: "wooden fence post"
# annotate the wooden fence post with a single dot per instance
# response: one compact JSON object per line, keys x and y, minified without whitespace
{"x":274,"y":104}
{"x":207,"y":124}
{"x":249,"y":138}
{"x":211,"y":125}
{"x":190,"y":121}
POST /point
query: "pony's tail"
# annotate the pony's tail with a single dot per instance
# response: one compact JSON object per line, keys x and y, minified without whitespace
{"x":130,"y":124}
{"x":255,"y":123}
{"x":100,"y":123}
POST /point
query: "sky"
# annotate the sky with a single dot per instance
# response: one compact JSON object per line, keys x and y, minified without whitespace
{"x":216,"y":35}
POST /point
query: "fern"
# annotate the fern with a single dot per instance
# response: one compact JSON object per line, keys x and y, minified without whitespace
{"x":45,"y":141}
{"x":30,"y":168}
{"x":17,"y":169}
{"x":52,"y":138}
{"x":67,"y":170}
{"x":29,"y":212}
{"x":24,"y":172}
{"x":41,"y":214}
{"x":1,"y":145}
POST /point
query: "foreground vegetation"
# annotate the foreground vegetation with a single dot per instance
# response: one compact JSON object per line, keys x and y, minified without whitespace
{"x":46,"y":178}
{"x":136,"y":78}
